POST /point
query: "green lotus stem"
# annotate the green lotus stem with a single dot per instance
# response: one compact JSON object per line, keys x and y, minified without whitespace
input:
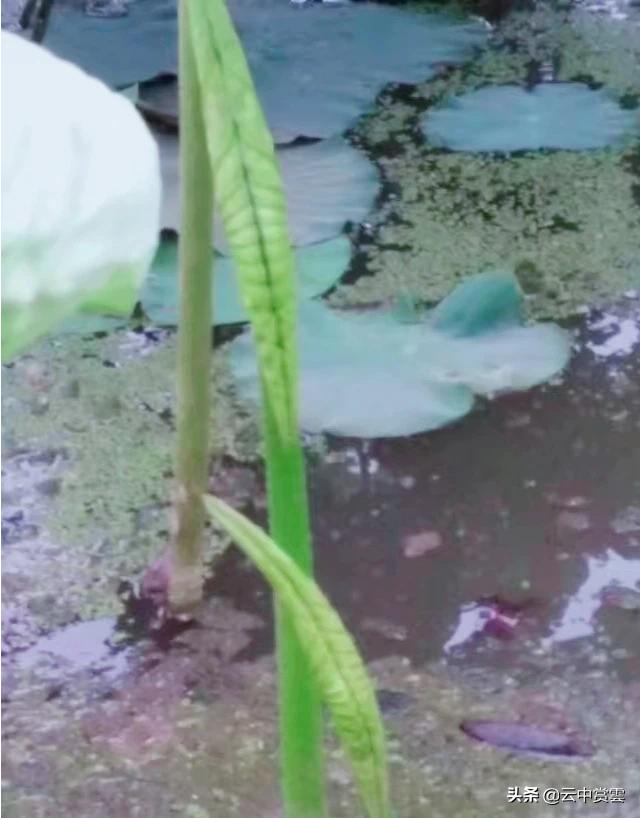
{"x":194,"y":337}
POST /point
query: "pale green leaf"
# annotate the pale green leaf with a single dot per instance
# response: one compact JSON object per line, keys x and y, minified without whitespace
{"x":334,"y":659}
{"x":505,"y":118}
{"x":395,"y":378}
{"x":81,"y":195}
{"x":251,"y":200}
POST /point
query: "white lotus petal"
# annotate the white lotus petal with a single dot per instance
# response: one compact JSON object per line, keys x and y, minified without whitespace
{"x":81,"y":193}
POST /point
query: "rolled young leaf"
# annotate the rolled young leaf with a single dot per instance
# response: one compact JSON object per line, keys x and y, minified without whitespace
{"x":332,"y":654}
{"x":250,"y":195}
{"x":81,"y":194}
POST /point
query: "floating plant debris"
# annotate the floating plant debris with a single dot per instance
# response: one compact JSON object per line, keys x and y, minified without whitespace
{"x":526,"y":738}
{"x":421,"y":543}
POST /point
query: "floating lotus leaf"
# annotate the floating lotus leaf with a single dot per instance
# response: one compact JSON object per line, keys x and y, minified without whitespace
{"x":506,"y":118}
{"x":81,"y":195}
{"x":368,"y":375}
{"x":326,"y":184}
{"x":318,"y":267}
{"x":118,"y":50}
{"x":316,"y":68}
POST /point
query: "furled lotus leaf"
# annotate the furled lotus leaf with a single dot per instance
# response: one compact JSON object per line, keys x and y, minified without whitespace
{"x":81,"y":195}
{"x":326,"y":184}
{"x":506,"y":118}
{"x":316,"y":68}
{"x":318,"y":267}
{"x":368,"y":375}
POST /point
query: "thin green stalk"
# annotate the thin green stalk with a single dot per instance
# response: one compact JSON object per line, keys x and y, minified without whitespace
{"x":194,"y":336}
{"x":301,"y":728}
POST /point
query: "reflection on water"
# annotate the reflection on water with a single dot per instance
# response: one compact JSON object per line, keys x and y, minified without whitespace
{"x":619,"y":335}
{"x":610,"y":570}
{"x":83,"y":646}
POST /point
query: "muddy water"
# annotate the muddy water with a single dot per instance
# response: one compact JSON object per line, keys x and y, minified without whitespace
{"x":507,"y":533}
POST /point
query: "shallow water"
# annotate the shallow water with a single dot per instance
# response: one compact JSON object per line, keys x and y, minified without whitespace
{"x":523,"y":496}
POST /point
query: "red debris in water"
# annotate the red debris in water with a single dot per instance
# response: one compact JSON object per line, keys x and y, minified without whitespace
{"x":500,"y":628}
{"x":504,"y":615}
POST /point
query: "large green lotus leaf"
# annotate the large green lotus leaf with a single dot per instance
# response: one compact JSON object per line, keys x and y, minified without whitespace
{"x":507,"y":118}
{"x":318,"y":268}
{"x":369,"y":375}
{"x":326,"y":185}
{"x":316,"y":68}
{"x":81,"y":195}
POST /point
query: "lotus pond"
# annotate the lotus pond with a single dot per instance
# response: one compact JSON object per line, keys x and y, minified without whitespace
{"x":464,"y":202}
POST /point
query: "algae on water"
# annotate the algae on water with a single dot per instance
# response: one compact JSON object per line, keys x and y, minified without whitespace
{"x":104,"y":408}
{"x":568,"y":220}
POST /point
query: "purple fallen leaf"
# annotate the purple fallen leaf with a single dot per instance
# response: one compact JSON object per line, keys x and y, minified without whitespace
{"x":526,"y":738}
